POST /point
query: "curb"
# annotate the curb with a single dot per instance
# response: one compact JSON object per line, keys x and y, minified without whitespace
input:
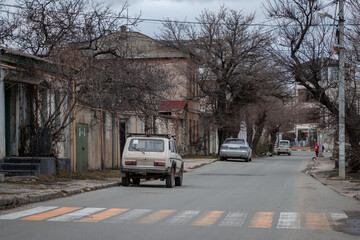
{"x":304,"y":150}
{"x":33,"y":198}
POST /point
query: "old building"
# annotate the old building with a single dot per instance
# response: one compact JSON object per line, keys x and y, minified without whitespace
{"x":179,"y":111}
{"x":38,"y":121}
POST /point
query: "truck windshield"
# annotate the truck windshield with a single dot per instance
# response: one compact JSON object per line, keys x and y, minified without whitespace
{"x":146,"y":145}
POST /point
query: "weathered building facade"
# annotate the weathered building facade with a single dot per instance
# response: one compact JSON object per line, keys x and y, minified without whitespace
{"x":31,"y":98}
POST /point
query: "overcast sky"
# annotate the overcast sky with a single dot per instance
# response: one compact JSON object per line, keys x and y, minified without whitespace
{"x":183,"y":9}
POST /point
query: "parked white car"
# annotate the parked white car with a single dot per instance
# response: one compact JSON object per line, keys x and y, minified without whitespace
{"x":151,"y":156}
{"x":235,"y":148}
{"x":283,"y":148}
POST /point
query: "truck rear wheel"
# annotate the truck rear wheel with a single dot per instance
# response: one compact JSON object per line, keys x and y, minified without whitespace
{"x":170,"y":180}
{"x":125,"y":181}
{"x":179,"y":179}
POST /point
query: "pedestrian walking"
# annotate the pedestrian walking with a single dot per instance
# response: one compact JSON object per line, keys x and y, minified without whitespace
{"x":323,"y":149}
{"x":316,"y":149}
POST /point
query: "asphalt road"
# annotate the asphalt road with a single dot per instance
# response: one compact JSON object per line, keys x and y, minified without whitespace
{"x":268,"y":198}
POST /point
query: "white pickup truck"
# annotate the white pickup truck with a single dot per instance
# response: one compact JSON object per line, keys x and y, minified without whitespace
{"x":151,"y":156}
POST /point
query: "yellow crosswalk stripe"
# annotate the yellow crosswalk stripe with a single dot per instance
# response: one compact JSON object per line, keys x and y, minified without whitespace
{"x":103,"y":215}
{"x":262,"y":220}
{"x":155,"y":217}
{"x":316,"y":221}
{"x":50,"y":214}
{"x":209,"y":219}
{"x":287,"y":220}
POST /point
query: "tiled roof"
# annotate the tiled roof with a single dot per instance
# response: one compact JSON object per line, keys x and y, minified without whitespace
{"x":168,"y":106}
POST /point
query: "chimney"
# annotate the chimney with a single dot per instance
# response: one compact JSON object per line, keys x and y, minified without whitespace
{"x":123,"y":29}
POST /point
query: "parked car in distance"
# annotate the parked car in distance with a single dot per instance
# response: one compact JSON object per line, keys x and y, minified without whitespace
{"x":284,"y":147}
{"x":151,"y":156}
{"x":235,"y":148}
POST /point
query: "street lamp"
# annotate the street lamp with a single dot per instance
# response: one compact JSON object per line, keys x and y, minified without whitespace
{"x":341,"y":97}
{"x":324,"y":14}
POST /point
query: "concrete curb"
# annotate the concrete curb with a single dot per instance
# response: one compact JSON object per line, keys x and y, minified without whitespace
{"x":6,"y":203}
{"x":311,"y":166}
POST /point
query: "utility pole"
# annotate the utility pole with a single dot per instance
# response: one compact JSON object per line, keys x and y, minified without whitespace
{"x":2,"y":114}
{"x":341,"y":92}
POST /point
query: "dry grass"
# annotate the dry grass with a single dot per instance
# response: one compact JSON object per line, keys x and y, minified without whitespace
{"x":194,"y":156}
{"x":66,"y":177}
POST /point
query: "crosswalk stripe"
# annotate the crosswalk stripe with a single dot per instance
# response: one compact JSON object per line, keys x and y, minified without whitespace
{"x":234,"y":219}
{"x":76,"y":215}
{"x":53,"y":213}
{"x":316,"y":221}
{"x":129,"y":216}
{"x":182,"y":217}
{"x":262,"y":220}
{"x":289,"y":220}
{"x":28,"y":212}
{"x":208,"y":219}
{"x":337,"y":217}
{"x":156,"y":217}
{"x":103,"y":215}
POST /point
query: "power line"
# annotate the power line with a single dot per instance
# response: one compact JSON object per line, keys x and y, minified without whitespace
{"x":154,"y":20}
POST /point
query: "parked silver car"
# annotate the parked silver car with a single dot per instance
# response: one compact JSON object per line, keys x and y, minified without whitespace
{"x":235,"y":148}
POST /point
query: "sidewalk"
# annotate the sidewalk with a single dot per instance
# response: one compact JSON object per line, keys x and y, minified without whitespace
{"x":20,"y":190}
{"x":323,"y":170}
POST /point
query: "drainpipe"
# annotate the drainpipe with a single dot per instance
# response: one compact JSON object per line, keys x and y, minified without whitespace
{"x":101,"y":139}
{"x":117,"y":144}
{"x":2,"y":114}
{"x":104,"y":139}
{"x":73,"y":127}
{"x":114,"y":140}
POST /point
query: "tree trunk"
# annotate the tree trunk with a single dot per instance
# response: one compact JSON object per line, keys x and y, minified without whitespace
{"x":259,"y":127}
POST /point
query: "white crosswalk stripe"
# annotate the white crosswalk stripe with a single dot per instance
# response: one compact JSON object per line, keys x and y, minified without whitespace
{"x":287,"y":220}
{"x":129,"y":216}
{"x":28,"y":212}
{"x":290,"y":220}
{"x":337,"y":217}
{"x":182,"y":217}
{"x":234,"y":219}
{"x":75,"y":215}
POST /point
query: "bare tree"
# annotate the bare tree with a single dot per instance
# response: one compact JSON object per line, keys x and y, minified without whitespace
{"x":6,"y":25}
{"x":227,"y":50}
{"x":47,"y":24}
{"x":306,"y":40}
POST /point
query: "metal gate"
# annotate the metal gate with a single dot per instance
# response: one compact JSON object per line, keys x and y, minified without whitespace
{"x":81,"y":147}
